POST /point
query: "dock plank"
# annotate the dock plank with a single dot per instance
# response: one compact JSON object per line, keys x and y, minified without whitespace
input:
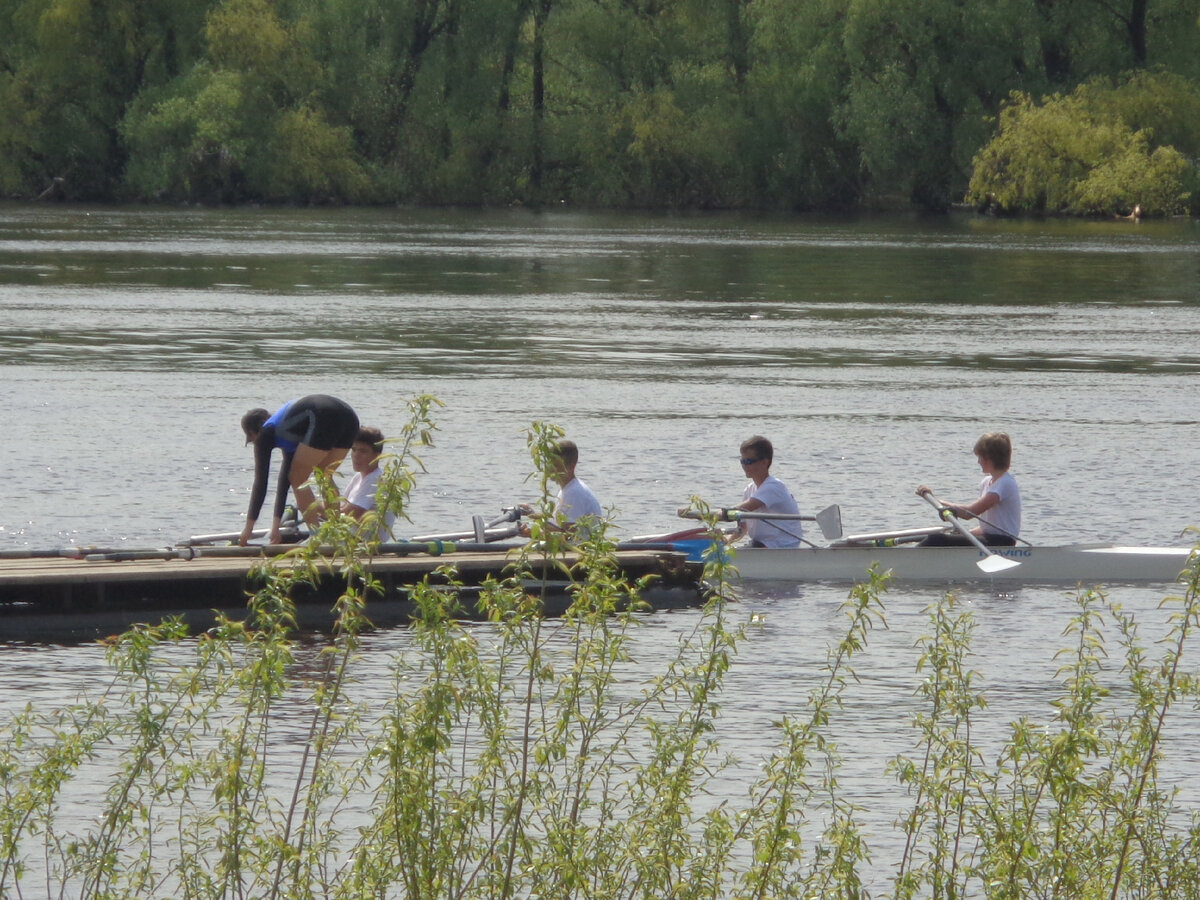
{"x":78,"y":599}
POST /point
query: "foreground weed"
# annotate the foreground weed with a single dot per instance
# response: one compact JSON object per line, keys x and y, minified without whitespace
{"x":1071,"y":808}
{"x":526,"y":756}
{"x":790,"y":794}
{"x":943,"y":779}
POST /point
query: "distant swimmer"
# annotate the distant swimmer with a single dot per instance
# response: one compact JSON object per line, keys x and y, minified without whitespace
{"x":314,"y":432}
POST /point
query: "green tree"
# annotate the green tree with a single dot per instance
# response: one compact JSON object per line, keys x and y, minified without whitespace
{"x":922,"y":77}
{"x":802,"y":158}
{"x":1083,"y":39}
{"x":1102,"y":149}
{"x":70,"y":70}
{"x":652,"y":107}
{"x":18,"y":116}
{"x":689,"y":103}
{"x":427,"y":90}
{"x":378,"y":51}
{"x":243,"y":125}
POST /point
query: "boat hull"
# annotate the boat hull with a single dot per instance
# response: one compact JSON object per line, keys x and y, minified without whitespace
{"x":1087,"y":564}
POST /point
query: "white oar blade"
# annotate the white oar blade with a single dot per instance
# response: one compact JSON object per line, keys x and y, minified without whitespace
{"x":829,"y":520}
{"x":992,"y":564}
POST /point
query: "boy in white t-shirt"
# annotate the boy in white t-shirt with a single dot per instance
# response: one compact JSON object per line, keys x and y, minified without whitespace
{"x":359,"y":496}
{"x":998,"y":507}
{"x":576,"y":506}
{"x":766,"y":494}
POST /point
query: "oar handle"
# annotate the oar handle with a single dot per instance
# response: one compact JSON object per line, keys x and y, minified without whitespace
{"x":829,"y":520}
{"x":992,"y":562}
{"x":945,"y":513}
{"x":733,"y":514}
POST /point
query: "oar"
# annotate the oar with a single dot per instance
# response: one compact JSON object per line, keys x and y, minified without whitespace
{"x":481,"y":532}
{"x":829,"y":520}
{"x":132,"y":555}
{"x":994,"y":527}
{"x":56,"y":553}
{"x":882,"y":538}
{"x":486,"y":537}
{"x":399,"y":548}
{"x":991,"y":562}
{"x":196,"y":540}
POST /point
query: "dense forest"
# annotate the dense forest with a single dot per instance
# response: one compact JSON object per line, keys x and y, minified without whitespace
{"x":1079,"y":106}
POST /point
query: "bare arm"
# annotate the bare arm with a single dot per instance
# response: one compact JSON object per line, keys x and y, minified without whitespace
{"x":978,"y":507}
{"x":966,"y":510}
{"x":263,"y":445}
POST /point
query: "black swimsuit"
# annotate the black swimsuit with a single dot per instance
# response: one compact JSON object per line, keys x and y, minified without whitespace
{"x":318,"y":421}
{"x":321,"y":421}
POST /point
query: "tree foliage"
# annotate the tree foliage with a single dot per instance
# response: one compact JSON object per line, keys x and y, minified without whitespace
{"x":1103,"y":149}
{"x":786,"y":104}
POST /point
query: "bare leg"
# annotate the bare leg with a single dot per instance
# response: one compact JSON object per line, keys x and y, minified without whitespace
{"x":304,"y":463}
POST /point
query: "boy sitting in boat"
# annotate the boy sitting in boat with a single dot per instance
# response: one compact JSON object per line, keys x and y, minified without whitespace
{"x":359,"y":497}
{"x":576,"y":508}
{"x":766,"y":494}
{"x":998,"y":507}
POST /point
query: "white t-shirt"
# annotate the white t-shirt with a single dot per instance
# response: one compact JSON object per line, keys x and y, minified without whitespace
{"x":1005,"y":516}
{"x":778,"y":534}
{"x":576,"y":501}
{"x":361,"y":493}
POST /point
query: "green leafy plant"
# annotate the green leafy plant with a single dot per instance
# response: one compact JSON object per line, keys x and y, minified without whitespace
{"x":1102,"y":149}
{"x":529,"y":756}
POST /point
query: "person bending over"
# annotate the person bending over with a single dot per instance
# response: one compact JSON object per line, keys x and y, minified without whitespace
{"x":314,"y":432}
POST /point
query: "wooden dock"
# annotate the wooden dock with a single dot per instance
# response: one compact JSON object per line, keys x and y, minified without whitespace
{"x":54,"y":599}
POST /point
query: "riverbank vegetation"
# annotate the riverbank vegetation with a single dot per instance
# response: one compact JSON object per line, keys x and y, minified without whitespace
{"x":693,"y":104}
{"x":525,"y":757}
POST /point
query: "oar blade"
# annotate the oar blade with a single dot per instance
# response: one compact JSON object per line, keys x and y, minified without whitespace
{"x":993,"y":564}
{"x":829,"y":520}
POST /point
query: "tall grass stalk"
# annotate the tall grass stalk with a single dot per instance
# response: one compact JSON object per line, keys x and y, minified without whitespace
{"x":1070,"y":807}
{"x":523,"y":756}
{"x":942,"y":779}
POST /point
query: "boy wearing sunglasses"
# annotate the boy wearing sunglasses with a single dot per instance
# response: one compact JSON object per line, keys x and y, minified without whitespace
{"x":766,"y":493}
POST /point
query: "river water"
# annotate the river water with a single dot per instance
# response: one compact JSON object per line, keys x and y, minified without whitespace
{"x":873,"y":351}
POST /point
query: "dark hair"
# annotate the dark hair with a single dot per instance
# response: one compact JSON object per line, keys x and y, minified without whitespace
{"x":996,"y":448}
{"x":759,"y":446}
{"x":372,"y":436}
{"x":567,"y":452}
{"x":254,"y":420}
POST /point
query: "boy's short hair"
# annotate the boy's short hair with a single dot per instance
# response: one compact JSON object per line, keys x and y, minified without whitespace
{"x":760,"y":447}
{"x":253,"y":421}
{"x":996,"y":448}
{"x":372,"y":436}
{"x":567,"y":452}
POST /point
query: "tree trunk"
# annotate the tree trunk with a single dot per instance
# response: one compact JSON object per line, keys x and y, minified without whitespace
{"x":541,"y":12}
{"x":1136,"y":26}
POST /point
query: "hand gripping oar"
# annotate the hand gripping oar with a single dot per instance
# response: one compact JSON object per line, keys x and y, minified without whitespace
{"x":991,"y":562}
